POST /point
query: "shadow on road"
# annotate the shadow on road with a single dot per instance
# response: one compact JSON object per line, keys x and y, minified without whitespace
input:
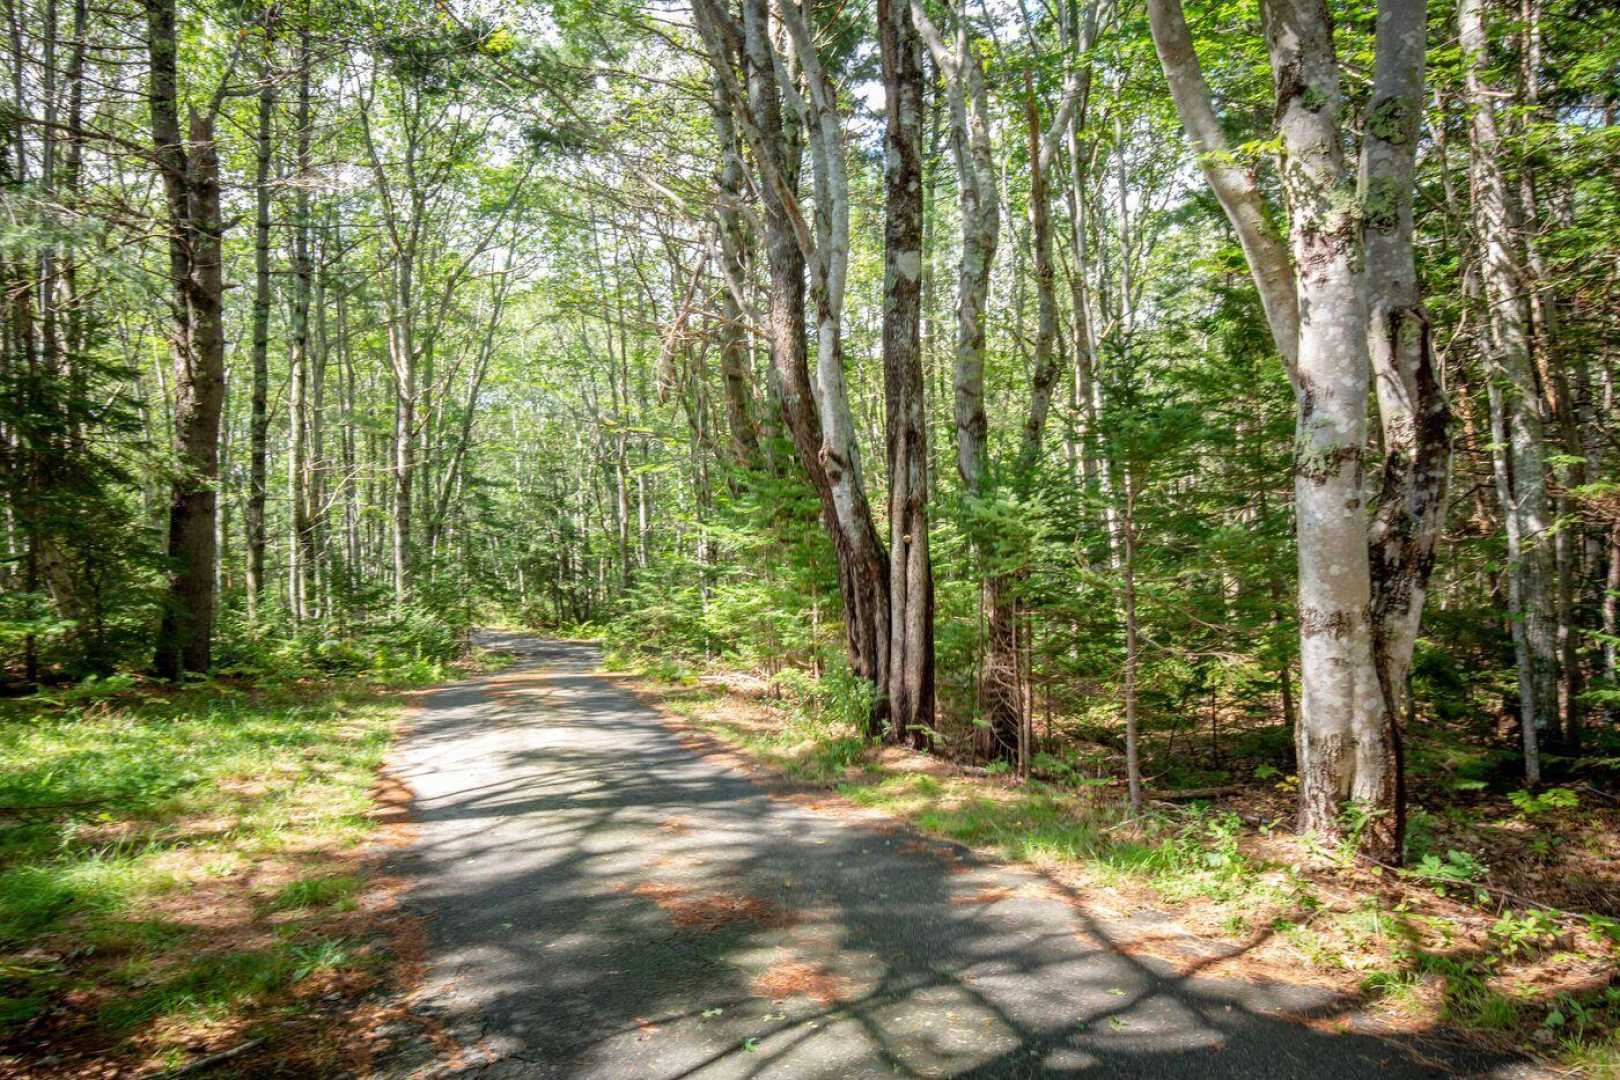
{"x":559,"y":817}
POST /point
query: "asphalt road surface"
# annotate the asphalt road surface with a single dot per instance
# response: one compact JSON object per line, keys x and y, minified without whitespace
{"x":605,"y":901}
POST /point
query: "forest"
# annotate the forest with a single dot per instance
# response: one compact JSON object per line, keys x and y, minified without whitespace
{"x":1176,"y":438}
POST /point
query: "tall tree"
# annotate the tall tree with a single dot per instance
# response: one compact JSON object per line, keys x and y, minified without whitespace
{"x":301,"y":552}
{"x":1517,"y":425}
{"x":816,"y":412}
{"x":911,"y":576}
{"x":1000,"y":692}
{"x":259,"y":421}
{"x":1001,"y":697}
{"x":190,"y":173}
{"x":1412,"y":409}
{"x":1356,"y":634}
{"x":732,"y":239}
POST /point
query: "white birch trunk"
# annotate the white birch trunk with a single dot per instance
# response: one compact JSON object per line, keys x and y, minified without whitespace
{"x":1411,"y":404}
{"x":1515,"y":401}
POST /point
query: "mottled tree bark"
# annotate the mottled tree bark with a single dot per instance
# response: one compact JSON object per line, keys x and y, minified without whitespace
{"x":1344,"y":737}
{"x":911,"y":578}
{"x":1515,"y":401}
{"x":733,"y":242}
{"x":1000,"y":697}
{"x":1411,"y":505}
{"x":1348,"y":268}
{"x":863,"y":562}
{"x":815,"y":414}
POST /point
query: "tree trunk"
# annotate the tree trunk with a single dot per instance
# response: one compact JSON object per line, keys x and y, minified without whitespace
{"x":317,"y":551}
{"x":301,"y":560}
{"x":191,"y":194}
{"x":1354,"y":642}
{"x":1611,"y":612}
{"x":1411,"y":505}
{"x":817,"y":416}
{"x":404,"y":437}
{"x":1515,"y":401}
{"x":1133,"y":760}
{"x":1560,"y":403}
{"x":1344,"y":739}
{"x":863,"y":562}
{"x":1000,"y":697}
{"x":733,"y":242}
{"x":1044,"y":376}
{"x":259,"y":421}
{"x":403,"y":229}
{"x":349,"y":443}
{"x":911,"y":578}
{"x":1082,"y":30}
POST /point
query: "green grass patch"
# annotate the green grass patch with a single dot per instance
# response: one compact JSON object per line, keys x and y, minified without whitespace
{"x":807,"y":747}
{"x":332,"y":891}
{"x":1193,"y":854}
{"x":211,"y":985}
{"x":119,"y":802}
{"x":148,"y":792}
{"x":1047,"y":825}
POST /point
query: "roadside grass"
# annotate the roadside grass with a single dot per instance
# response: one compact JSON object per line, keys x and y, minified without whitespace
{"x":185,"y":867}
{"x":336,"y":891}
{"x":1430,"y":945}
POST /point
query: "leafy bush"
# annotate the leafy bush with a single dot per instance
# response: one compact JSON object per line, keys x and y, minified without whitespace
{"x":1529,"y":932}
{"x":845,"y":698}
{"x":426,"y":632}
{"x":1458,"y":870}
{"x":402,"y":644}
{"x":1533,"y":804}
{"x":1049,"y":765}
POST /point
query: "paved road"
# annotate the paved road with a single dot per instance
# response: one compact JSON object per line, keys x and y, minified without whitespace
{"x":605,"y":902}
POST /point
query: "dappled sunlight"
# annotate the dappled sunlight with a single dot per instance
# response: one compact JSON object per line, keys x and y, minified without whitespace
{"x":606,"y":902}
